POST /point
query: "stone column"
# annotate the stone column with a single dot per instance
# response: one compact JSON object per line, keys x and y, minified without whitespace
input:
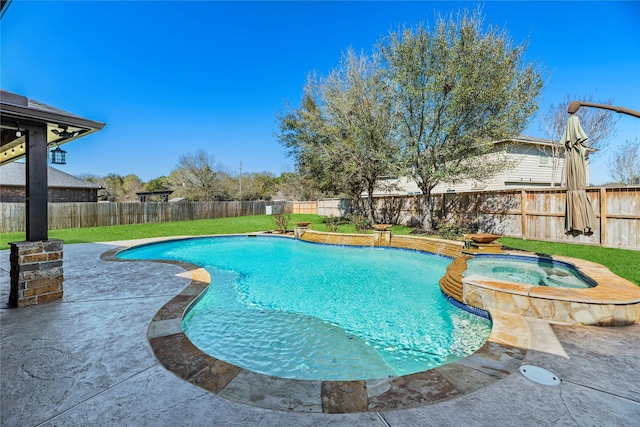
{"x":36,"y":272}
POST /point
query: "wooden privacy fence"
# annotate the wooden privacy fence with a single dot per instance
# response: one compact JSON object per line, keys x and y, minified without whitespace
{"x":81,"y":215}
{"x":324,"y":207}
{"x":535,"y":214}
{"x":307,"y":207}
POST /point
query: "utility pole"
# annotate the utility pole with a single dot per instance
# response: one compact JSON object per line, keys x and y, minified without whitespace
{"x":240,"y":181}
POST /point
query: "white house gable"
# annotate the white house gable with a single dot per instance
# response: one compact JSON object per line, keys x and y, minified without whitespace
{"x":536,"y":164}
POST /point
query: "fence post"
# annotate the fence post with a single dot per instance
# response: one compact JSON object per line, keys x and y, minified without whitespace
{"x":603,"y":216}
{"x":523,"y":208}
{"x":478,"y":207}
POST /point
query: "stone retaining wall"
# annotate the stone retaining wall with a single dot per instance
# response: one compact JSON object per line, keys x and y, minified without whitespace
{"x":448,"y":248}
{"x":385,"y":238}
{"x":336,"y":238}
{"x":602,"y":313}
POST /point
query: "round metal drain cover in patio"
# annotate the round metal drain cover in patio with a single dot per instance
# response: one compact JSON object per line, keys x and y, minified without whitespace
{"x":539,"y":375}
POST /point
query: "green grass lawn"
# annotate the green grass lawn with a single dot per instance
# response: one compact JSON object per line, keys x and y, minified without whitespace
{"x":622,"y":262}
{"x":201,"y":227}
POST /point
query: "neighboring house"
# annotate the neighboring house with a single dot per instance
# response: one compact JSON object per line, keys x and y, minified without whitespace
{"x":62,"y":186}
{"x":535,"y":166}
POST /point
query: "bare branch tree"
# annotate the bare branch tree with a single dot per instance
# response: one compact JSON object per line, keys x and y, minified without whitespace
{"x":624,"y":163}
{"x":198,"y":177}
{"x":598,"y":124}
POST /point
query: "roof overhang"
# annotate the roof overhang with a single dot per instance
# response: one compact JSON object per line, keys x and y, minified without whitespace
{"x":17,"y":111}
{"x":530,"y":140}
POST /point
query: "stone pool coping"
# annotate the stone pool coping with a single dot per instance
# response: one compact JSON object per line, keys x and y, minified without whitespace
{"x":501,"y":355}
{"x":610,"y":289}
{"x":614,"y":301}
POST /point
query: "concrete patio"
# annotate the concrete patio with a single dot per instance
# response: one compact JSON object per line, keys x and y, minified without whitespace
{"x":86,"y":360}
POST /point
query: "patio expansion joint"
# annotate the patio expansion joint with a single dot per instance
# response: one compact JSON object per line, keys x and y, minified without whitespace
{"x":599,"y":390}
{"x":383,"y":419}
{"x":96,"y":395}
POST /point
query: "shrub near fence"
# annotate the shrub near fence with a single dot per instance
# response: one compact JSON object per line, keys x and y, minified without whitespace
{"x":82,"y":215}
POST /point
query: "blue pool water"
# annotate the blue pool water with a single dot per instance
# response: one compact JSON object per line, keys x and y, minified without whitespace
{"x":293,"y":309}
{"x":528,"y":270}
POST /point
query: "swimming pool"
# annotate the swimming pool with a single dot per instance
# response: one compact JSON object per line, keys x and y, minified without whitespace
{"x":537,"y":271}
{"x":293,"y":309}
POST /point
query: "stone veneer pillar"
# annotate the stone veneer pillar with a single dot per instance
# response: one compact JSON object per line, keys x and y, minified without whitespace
{"x":36,"y":272}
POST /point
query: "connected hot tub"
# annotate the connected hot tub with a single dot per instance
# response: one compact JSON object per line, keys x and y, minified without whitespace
{"x":547,"y":287}
{"x":528,"y":270}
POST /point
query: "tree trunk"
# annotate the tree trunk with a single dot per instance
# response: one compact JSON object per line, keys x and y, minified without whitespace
{"x":427,"y":207}
{"x":372,"y":203}
{"x":357,"y":203}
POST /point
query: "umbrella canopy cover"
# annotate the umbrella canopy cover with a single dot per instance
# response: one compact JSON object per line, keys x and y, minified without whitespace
{"x":579,"y":217}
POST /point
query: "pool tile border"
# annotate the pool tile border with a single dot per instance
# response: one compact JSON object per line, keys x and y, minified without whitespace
{"x":501,"y":355}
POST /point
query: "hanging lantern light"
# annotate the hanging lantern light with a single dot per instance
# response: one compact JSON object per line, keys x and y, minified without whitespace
{"x":58,"y":156}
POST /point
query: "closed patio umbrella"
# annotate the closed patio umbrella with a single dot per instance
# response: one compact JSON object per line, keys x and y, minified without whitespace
{"x":579,"y":217}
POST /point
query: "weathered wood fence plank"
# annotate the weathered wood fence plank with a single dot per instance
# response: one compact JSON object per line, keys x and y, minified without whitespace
{"x":536,"y":214}
{"x":83,"y":215}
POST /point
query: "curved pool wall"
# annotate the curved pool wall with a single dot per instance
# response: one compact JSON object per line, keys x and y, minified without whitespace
{"x":613,"y":301}
{"x":501,"y":355}
{"x":360,"y":326}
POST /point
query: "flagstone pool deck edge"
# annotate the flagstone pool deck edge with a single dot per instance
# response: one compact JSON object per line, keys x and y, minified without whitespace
{"x":501,"y":355}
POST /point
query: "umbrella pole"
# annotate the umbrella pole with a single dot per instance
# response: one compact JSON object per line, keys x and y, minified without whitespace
{"x":575,"y":105}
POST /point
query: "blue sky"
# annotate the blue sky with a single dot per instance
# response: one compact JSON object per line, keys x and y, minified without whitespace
{"x":170,"y":78}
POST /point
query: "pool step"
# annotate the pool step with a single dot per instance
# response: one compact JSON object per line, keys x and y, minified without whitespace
{"x":451,"y":282}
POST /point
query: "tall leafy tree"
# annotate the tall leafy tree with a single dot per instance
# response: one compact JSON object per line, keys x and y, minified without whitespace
{"x":131,"y":185}
{"x":112,"y":186}
{"x":459,"y":87}
{"x":343,"y":134}
{"x":302,"y":132}
{"x":294,"y":186}
{"x":157,"y":184}
{"x":258,"y":186}
{"x":360,"y":108}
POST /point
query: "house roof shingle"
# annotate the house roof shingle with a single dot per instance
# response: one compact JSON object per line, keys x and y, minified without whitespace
{"x":13,"y":175}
